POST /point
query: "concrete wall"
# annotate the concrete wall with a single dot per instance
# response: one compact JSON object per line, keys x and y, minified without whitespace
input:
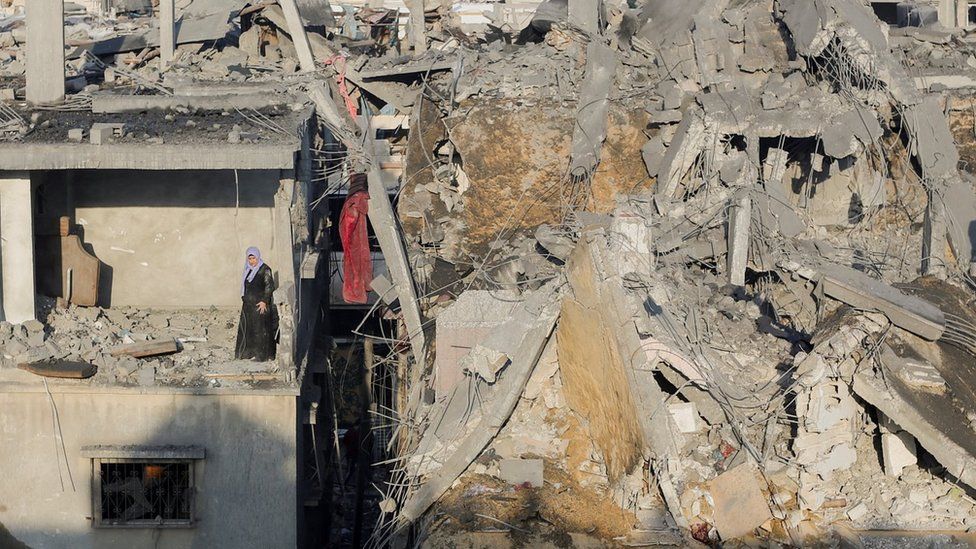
{"x":170,"y":239}
{"x":246,"y":485}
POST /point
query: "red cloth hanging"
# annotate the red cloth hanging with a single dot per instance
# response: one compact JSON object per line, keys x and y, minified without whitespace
{"x":357,"y":262}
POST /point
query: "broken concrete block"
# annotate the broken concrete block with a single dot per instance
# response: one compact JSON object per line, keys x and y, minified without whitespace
{"x":467,"y":322}
{"x":774,"y":167}
{"x":76,"y":135}
{"x":857,"y":512}
{"x":898,"y":447}
{"x":101,"y":134}
{"x":685,"y":416}
{"x":630,"y":235}
{"x":740,"y":506}
{"x":522,"y":471}
{"x":922,"y":375}
{"x":898,"y":451}
{"x":146,"y":375}
{"x":653,"y":153}
{"x":666,"y":117}
{"x":484,"y":362}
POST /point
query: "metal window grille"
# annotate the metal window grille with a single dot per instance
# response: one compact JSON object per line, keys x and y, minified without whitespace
{"x":142,"y":493}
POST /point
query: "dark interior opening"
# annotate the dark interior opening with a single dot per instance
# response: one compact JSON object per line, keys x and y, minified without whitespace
{"x":886,"y":11}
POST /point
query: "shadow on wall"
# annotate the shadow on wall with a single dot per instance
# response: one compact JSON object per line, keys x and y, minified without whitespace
{"x":175,"y":189}
{"x":244,"y":487}
{"x":156,"y":231}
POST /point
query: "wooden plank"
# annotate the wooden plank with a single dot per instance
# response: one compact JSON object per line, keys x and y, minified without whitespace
{"x":81,"y":287}
{"x":148,"y":348}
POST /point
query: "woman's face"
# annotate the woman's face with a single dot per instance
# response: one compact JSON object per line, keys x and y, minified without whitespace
{"x":251,"y":260}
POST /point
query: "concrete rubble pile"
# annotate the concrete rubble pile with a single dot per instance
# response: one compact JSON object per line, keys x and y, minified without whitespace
{"x":202,"y":343}
{"x":708,"y":262}
{"x":674,"y":272}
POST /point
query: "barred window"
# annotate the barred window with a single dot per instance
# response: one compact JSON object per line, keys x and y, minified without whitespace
{"x":142,"y":490}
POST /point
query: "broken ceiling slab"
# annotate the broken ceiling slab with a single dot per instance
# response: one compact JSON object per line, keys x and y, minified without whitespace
{"x":461,"y":326}
{"x":934,"y":145}
{"x":201,"y":21}
{"x":851,"y":132}
{"x":541,"y":307}
{"x":410,"y":69}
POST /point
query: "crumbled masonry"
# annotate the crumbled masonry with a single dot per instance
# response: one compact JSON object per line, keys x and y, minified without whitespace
{"x":674,"y":273}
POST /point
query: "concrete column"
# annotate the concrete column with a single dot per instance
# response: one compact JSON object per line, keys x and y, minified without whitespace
{"x":167,"y":31}
{"x":296,"y":28}
{"x":16,"y":247}
{"x":418,"y":28}
{"x":45,"y":54}
{"x":739,"y":235}
{"x":934,"y":237}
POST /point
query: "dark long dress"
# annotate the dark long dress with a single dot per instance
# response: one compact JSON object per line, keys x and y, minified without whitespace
{"x":256,"y":331}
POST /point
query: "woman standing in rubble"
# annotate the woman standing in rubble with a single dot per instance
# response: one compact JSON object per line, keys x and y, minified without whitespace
{"x":257,"y":327}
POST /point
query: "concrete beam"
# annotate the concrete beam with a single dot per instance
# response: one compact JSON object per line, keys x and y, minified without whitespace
{"x":296,"y":28}
{"x":935,"y":237}
{"x":384,"y":222}
{"x":45,"y":56}
{"x":109,"y":103}
{"x":167,"y":32}
{"x":740,"y":221}
{"x":16,"y":247}
{"x":212,"y":156}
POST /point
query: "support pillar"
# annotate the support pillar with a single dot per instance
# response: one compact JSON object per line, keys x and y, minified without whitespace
{"x":739,"y":235}
{"x":167,"y":32}
{"x":296,"y":28}
{"x":45,"y":55}
{"x":16,"y":247}
{"x":934,"y":237}
{"x":418,"y":28}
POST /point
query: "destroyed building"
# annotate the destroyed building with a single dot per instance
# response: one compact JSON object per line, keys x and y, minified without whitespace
{"x":548,"y":273}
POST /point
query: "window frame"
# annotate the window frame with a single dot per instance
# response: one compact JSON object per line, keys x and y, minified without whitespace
{"x":99,"y":455}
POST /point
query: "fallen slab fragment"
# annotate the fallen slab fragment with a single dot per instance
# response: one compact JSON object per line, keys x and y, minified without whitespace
{"x":543,"y":306}
{"x":934,"y":146}
{"x":462,"y":326}
{"x":149,"y":348}
{"x":740,"y":506}
{"x":687,"y":144}
{"x":521,"y":472}
{"x":860,"y":290}
{"x":594,"y":103}
{"x":960,"y":212}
